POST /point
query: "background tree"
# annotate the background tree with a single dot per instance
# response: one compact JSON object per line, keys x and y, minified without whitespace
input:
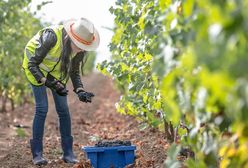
{"x":185,"y":61}
{"x":18,"y":24}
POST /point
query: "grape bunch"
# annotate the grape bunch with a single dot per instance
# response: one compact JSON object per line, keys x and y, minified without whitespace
{"x":109,"y":143}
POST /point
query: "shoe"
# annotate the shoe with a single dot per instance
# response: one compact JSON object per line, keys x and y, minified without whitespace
{"x":67,"y":145}
{"x":37,"y":149}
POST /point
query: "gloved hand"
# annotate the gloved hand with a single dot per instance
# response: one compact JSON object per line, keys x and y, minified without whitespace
{"x":85,"y":96}
{"x":57,"y":86}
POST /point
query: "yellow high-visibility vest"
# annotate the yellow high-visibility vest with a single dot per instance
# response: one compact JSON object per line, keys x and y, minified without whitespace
{"x":51,"y":63}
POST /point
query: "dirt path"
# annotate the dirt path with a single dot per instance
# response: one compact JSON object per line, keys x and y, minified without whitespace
{"x":90,"y":122}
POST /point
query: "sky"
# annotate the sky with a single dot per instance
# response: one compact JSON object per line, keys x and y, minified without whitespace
{"x":96,"y":11}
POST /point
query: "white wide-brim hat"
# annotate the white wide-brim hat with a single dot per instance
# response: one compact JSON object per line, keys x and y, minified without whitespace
{"x":82,"y":33}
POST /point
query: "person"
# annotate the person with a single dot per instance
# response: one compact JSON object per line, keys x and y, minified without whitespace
{"x":51,"y":57}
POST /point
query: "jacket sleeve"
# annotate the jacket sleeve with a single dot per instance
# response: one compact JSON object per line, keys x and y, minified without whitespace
{"x":45,"y":43}
{"x":75,"y":71}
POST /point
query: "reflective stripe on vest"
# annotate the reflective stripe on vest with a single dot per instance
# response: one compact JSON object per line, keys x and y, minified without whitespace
{"x":41,"y":65}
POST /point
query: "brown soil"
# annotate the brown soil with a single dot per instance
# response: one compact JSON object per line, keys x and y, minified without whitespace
{"x":90,"y":122}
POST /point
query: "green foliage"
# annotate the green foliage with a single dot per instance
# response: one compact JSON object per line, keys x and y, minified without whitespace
{"x":186,"y":61}
{"x":20,"y":132}
{"x":89,"y":63}
{"x":171,"y":160}
{"x":132,"y":62}
{"x":18,"y":24}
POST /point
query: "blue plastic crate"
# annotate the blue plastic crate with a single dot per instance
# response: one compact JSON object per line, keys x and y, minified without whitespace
{"x":110,"y":157}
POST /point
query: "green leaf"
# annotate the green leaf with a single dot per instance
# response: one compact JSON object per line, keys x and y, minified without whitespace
{"x":171,"y":160}
{"x":21,"y":132}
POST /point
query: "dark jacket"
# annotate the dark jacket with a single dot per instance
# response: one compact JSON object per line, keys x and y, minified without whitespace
{"x":47,"y":41}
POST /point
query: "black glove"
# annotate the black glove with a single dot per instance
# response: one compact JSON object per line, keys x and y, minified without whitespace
{"x":85,"y":96}
{"x":57,"y":86}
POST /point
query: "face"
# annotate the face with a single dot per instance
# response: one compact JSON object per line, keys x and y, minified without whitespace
{"x":75,"y":49}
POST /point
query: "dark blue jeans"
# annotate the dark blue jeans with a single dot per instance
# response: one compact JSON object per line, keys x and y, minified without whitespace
{"x":41,"y":109}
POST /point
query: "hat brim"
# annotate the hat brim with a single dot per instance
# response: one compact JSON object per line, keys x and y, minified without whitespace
{"x":92,"y":47}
